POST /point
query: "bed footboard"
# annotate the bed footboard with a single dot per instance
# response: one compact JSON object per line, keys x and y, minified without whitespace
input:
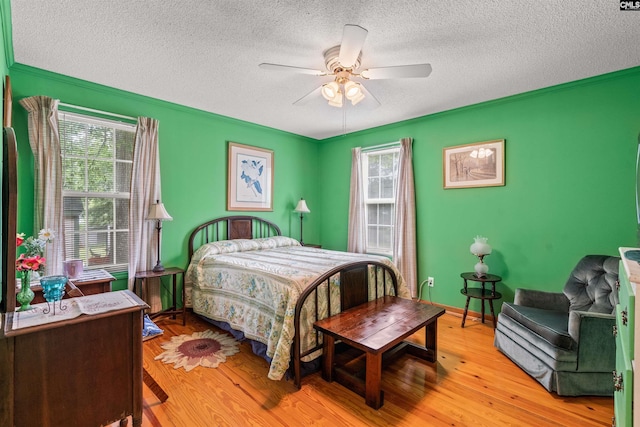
{"x":358,"y":281}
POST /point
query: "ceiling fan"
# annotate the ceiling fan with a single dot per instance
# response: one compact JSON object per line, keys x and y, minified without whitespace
{"x":343,"y":61}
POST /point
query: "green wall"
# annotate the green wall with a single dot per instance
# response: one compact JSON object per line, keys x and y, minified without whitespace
{"x":570,"y":176}
{"x":570,"y":184}
{"x":6,"y":45}
{"x":193,"y":158}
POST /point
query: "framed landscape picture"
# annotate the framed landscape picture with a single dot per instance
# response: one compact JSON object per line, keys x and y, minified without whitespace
{"x":250,"y":178}
{"x":480,"y":164}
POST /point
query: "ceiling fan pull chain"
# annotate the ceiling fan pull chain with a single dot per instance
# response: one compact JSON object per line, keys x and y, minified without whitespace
{"x":344,"y":121}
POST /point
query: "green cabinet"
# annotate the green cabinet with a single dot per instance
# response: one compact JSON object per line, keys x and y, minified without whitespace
{"x":622,"y":380}
{"x":624,"y":331}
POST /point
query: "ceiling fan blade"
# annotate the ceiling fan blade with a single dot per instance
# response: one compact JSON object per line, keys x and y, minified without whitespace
{"x":290,"y":69}
{"x":398,"y":72}
{"x":309,"y":97}
{"x":353,"y":37}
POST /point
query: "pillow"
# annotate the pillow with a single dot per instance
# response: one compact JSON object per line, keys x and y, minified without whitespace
{"x":242,"y":245}
{"x":276,"y":242}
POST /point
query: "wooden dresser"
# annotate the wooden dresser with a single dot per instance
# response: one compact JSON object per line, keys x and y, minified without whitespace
{"x":83,"y":371}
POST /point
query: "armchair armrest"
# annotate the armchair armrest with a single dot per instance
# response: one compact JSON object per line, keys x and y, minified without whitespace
{"x":540,"y":299}
{"x":596,"y":344}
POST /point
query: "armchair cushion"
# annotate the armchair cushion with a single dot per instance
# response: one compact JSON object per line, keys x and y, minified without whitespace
{"x":552,"y":325}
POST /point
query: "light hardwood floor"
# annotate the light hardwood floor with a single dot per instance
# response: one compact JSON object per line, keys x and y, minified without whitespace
{"x":472,"y":384}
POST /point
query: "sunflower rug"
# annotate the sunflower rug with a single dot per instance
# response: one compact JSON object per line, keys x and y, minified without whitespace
{"x":207,"y":348}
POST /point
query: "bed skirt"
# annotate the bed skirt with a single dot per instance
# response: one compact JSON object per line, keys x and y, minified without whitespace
{"x":260,"y":349}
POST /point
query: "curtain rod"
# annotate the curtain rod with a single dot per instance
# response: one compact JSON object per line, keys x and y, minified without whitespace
{"x":381,"y":146}
{"x":106,"y":113}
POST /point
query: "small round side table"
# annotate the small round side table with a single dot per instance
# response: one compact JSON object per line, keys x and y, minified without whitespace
{"x":480,"y":293}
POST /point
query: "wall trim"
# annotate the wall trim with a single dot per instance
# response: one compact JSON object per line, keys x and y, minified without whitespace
{"x":473,"y":316}
{"x":121,"y":93}
{"x":595,"y":80}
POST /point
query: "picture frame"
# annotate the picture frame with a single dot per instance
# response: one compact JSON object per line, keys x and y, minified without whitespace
{"x":480,"y":164}
{"x":7,"y":102}
{"x":250,"y":178}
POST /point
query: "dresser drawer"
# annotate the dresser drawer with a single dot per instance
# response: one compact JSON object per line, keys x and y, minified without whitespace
{"x":625,"y":310}
{"x":623,"y":385}
{"x":624,"y":327}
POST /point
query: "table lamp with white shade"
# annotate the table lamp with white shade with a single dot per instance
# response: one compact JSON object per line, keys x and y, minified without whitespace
{"x":480,"y":248}
{"x":158,"y":213}
{"x":302,"y":208}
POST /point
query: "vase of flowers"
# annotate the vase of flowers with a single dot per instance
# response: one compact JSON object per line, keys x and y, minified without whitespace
{"x":30,"y":262}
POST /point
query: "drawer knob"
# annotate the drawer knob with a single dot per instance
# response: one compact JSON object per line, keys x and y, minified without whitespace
{"x":617,"y":381}
{"x":615,"y":331}
{"x":624,"y":315}
{"x":617,"y":285}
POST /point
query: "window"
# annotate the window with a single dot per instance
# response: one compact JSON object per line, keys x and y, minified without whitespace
{"x":97,"y":157}
{"x":380,"y":169}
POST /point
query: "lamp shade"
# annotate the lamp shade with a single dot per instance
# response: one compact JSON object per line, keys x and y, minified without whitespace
{"x":302,"y":207}
{"x":357,"y":98}
{"x":330,"y":90}
{"x":336,"y":101}
{"x":157,"y":212}
{"x":480,"y":246}
{"x":352,"y":89}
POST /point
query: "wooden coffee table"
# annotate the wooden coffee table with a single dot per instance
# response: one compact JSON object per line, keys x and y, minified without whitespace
{"x":377,"y":328}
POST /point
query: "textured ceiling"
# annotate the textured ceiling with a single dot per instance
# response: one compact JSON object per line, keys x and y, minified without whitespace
{"x":205,"y":54}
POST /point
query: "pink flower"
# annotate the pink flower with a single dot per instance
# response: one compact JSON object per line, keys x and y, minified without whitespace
{"x":33,"y":250}
{"x":32,"y":263}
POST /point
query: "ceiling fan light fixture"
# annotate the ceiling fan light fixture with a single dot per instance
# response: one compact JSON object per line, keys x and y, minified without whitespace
{"x":342,"y":61}
{"x":337,"y":100}
{"x":352,"y":90}
{"x":330,"y":91}
{"x":359,"y":97}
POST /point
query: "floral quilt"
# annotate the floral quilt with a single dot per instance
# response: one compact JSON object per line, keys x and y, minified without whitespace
{"x":254,"y":285}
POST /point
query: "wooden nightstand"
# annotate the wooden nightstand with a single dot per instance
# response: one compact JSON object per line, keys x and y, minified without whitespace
{"x":93,"y":281}
{"x":480,"y":293}
{"x":142,"y":276}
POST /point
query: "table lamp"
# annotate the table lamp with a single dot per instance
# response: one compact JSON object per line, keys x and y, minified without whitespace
{"x":302,"y":208}
{"x":480,"y":248}
{"x":158,"y":213}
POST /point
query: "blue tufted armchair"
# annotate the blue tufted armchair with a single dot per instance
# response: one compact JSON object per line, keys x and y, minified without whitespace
{"x":565,"y":340}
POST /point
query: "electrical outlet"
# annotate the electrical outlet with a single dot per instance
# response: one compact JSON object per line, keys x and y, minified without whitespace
{"x":430,"y":281}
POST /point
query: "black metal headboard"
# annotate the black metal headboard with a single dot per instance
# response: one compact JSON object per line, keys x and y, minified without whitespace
{"x":231,"y":227}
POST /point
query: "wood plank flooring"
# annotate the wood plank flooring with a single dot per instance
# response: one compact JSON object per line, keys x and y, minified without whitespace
{"x":472,"y":384}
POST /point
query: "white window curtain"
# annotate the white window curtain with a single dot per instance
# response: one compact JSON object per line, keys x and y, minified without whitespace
{"x":145,"y":190}
{"x":45,"y":144}
{"x":404,"y":241}
{"x":356,"y":240}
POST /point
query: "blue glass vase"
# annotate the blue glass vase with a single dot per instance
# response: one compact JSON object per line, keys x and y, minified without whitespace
{"x":53,"y":287}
